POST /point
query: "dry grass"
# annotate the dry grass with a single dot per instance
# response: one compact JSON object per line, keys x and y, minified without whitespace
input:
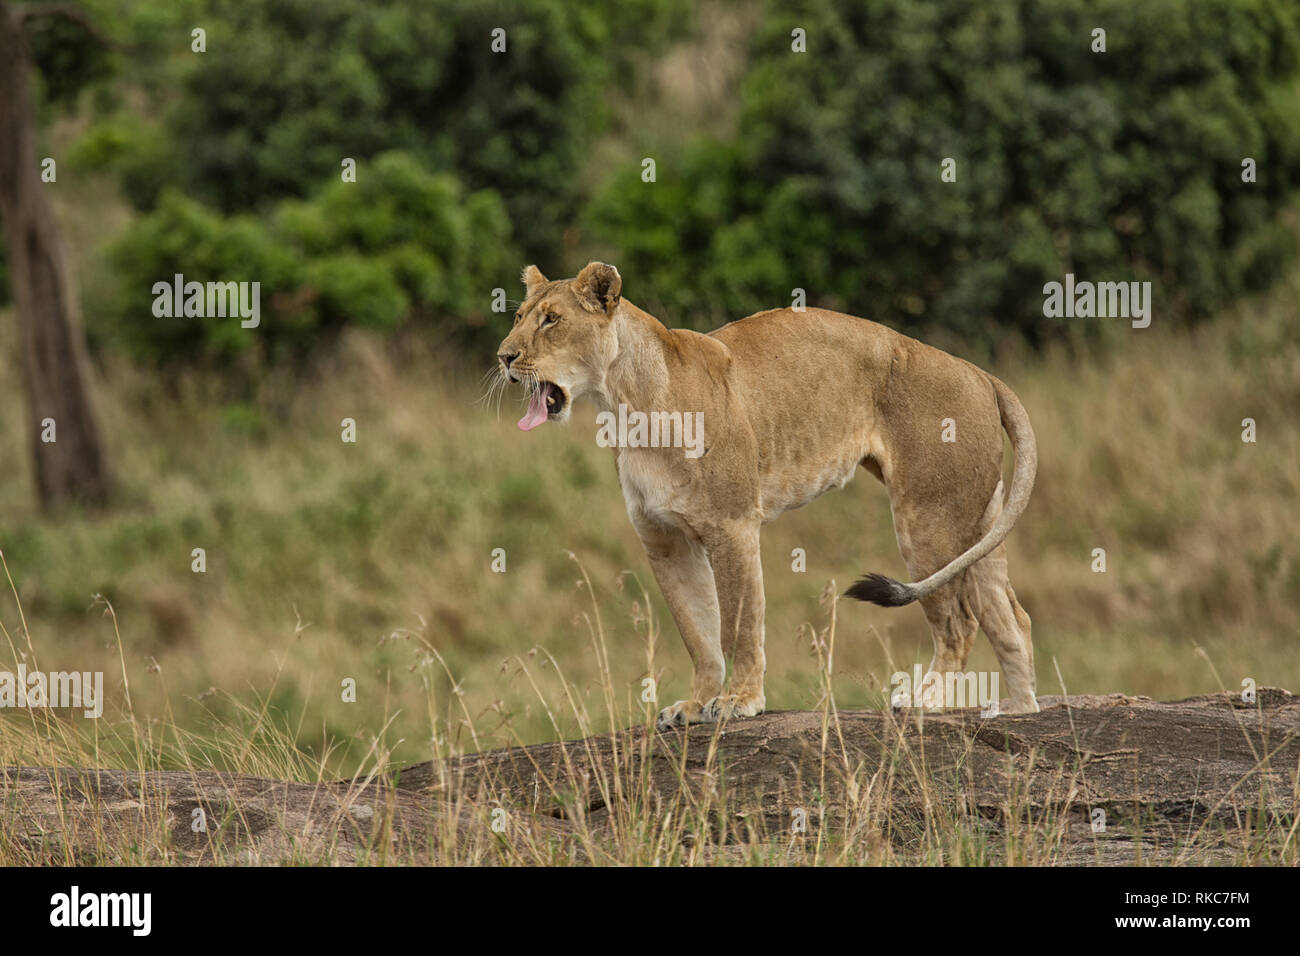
{"x":638,"y":826}
{"x":328,"y":561}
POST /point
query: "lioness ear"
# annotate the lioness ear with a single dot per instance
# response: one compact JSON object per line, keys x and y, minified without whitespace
{"x":532,"y":279}
{"x":597,"y":287}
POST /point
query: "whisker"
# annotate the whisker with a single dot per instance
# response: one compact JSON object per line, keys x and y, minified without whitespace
{"x":496,"y":383}
{"x":489,"y":382}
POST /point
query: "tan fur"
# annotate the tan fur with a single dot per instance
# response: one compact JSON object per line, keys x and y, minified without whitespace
{"x":792,"y":403}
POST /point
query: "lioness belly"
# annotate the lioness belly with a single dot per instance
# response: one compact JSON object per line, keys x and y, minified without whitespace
{"x":794,"y":483}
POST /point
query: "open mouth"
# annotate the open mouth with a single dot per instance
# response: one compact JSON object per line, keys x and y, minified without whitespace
{"x":546,"y":401}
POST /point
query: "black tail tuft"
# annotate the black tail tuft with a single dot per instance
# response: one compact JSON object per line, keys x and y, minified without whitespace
{"x":878,"y":589}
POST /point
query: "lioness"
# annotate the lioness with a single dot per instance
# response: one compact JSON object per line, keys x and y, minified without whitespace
{"x":792,"y":403}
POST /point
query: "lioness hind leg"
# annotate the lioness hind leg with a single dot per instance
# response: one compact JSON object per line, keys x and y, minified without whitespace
{"x":1008,"y":628}
{"x":980,"y":598}
{"x":928,"y":540}
{"x":933,"y":525}
{"x":953,"y":626}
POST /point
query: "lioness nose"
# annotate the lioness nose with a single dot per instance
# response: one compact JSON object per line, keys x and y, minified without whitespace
{"x":507,"y":357}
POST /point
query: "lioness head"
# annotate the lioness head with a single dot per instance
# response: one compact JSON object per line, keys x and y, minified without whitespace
{"x":563,"y":340}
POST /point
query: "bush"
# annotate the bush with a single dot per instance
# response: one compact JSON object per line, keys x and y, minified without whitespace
{"x":400,"y":243}
{"x":1117,"y":166}
{"x":286,"y":90}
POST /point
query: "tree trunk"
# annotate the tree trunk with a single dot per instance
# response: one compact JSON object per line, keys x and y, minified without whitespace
{"x":56,"y":369}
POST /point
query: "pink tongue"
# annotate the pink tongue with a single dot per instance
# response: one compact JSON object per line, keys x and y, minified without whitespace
{"x":536,"y":413}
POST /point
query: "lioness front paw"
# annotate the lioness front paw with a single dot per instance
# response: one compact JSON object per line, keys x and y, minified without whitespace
{"x":679,"y":715}
{"x":725,"y":706}
{"x":927,"y":698}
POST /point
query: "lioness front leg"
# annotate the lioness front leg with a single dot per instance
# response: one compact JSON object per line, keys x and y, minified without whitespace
{"x":682,"y":569}
{"x":738,"y":574}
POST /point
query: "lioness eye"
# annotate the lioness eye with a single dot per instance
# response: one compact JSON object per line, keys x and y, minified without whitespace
{"x":550,"y":319}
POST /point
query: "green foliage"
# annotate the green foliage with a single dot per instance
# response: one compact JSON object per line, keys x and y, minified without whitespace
{"x":139,"y":152}
{"x":399,"y":243}
{"x":68,"y":57}
{"x":1114,"y":166}
{"x":286,"y":90}
{"x":1123,"y":165}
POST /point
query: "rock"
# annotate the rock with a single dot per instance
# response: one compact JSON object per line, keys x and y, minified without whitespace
{"x":1196,"y":780}
{"x":1176,"y":781}
{"x":99,"y":817}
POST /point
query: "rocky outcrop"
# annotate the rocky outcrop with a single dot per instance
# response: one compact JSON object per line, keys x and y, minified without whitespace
{"x":1099,"y":779}
{"x":1087,"y":780}
{"x":94,"y":817}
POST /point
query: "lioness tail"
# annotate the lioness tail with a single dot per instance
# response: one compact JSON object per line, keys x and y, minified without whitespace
{"x":878,"y":589}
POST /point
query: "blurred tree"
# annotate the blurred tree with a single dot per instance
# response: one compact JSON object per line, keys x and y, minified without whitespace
{"x":74,"y":465}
